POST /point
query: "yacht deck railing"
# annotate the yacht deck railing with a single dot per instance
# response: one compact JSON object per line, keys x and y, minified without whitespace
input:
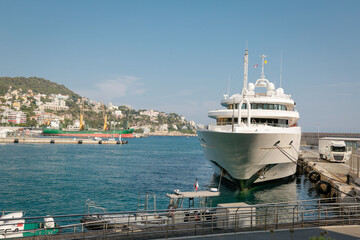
{"x":252,"y":124}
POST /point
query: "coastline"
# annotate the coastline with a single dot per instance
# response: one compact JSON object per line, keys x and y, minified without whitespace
{"x":166,"y":133}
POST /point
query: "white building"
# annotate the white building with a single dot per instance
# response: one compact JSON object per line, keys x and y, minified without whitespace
{"x":150,"y":113}
{"x":184,"y":128}
{"x":118,"y":113}
{"x":15,"y":117}
{"x":164,"y":127}
{"x":56,"y":104}
{"x":45,"y":118}
{"x":5,"y":132}
{"x":75,"y":126}
{"x":60,"y":97}
{"x":146,"y":130}
{"x":112,"y":107}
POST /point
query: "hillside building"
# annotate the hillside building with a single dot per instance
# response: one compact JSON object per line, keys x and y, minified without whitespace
{"x":15,"y":117}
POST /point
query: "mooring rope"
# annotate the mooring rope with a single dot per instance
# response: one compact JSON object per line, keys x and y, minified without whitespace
{"x":291,"y":158}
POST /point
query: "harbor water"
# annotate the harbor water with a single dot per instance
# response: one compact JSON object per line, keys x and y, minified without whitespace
{"x":55,"y":179}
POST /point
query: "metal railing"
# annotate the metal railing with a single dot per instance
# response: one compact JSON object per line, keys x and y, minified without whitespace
{"x":190,"y":222}
{"x":354,"y":165}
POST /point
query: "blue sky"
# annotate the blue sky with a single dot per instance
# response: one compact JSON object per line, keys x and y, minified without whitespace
{"x":177,"y":56}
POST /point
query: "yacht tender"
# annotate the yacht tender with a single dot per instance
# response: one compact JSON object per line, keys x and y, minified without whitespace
{"x":264,"y":144}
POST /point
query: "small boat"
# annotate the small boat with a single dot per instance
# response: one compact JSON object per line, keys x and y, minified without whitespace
{"x":102,"y":221}
{"x":13,"y":225}
{"x":177,"y":212}
{"x":197,"y":208}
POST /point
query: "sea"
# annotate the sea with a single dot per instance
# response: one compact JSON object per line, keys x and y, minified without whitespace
{"x":58,"y":179}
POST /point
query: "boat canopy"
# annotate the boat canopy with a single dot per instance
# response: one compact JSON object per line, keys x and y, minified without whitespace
{"x":198,"y":194}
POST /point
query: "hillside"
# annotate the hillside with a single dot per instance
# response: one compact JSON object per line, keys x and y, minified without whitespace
{"x":50,"y":102}
{"x":38,"y":85}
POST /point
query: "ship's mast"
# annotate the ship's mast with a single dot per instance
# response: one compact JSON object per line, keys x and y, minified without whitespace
{"x":246,"y":69}
{"x":281,"y":68}
{"x":262,"y":69}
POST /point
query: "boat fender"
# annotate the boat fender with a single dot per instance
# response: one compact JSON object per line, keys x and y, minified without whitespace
{"x":171,"y":208}
{"x":100,"y":142}
{"x":307,"y":169}
{"x":323,"y":187}
{"x":16,"y":140}
{"x":52,"y":141}
{"x":197,"y":216}
{"x":314,"y":176}
{"x":118,"y":142}
{"x":80,"y":142}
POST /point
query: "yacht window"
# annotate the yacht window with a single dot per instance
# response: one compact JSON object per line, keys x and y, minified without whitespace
{"x":260,"y":106}
{"x":225,"y":121}
{"x":268,"y":121}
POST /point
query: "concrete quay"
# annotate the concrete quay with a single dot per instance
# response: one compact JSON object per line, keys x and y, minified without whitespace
{"x":59,"y":141}
{"x":332,"y":180}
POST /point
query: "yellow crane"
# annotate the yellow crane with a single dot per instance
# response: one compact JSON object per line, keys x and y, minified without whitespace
{"x":82,"y":123}
{"x":104,"y":116}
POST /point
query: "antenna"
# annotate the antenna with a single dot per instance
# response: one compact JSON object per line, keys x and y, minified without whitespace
{"x":246,"y":69}
{"x":263,"y":63}
{"x":228,"y":90}
{"x":281,"y":67}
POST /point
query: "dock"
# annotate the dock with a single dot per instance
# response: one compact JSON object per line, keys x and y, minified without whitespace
{"x":60,"y":141}
{"x":332,"y":180}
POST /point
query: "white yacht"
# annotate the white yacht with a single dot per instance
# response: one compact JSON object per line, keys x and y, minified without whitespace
{"x":257,"y":142}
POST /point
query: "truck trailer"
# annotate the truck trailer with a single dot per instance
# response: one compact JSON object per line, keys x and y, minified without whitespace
{"x":333,"y":151}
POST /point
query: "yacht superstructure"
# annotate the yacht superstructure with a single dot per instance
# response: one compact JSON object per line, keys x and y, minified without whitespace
{"x":256,"y":137}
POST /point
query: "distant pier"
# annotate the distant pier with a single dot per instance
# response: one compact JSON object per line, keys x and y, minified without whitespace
{"x":60,"y":141}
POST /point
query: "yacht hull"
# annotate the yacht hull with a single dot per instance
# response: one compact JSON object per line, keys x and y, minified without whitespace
{"x":249,"y":156}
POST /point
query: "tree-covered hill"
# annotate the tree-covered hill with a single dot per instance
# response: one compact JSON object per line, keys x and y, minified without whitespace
{"x":38,"y":85}
{"x":117,"y":116}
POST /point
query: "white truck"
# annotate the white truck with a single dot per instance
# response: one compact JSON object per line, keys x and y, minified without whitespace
{"x":333,"y":150}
